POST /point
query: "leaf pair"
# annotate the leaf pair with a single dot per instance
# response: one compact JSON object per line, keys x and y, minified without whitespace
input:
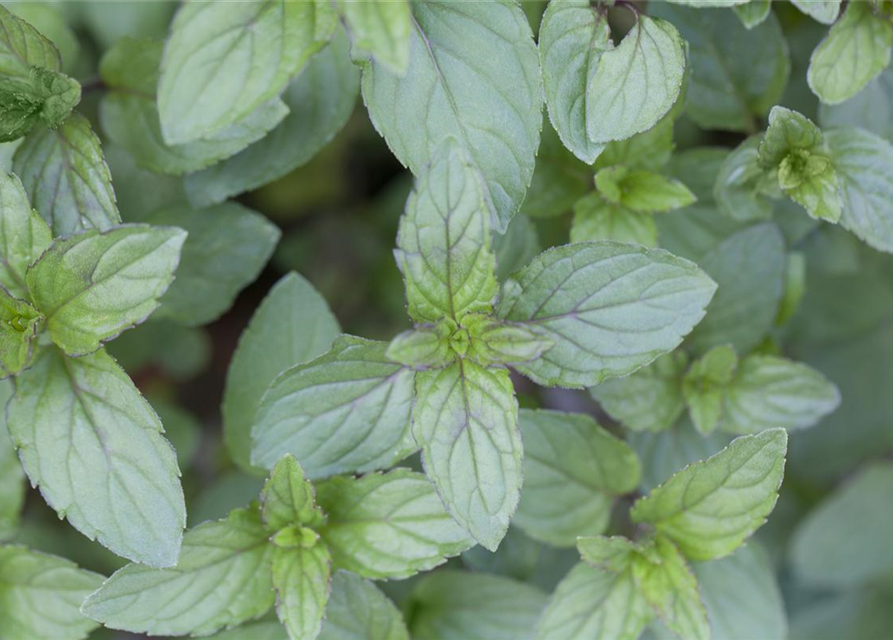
{"x":738,"y":397}
{"x":595,"y":92}
{"x":290,"y":546}
{"x":703,"y":512}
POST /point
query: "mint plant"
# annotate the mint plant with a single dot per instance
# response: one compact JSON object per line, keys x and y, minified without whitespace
{"x":446,"y":320}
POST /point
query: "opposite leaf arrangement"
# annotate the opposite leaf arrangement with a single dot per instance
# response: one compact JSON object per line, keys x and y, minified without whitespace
{"x":686,"y":304}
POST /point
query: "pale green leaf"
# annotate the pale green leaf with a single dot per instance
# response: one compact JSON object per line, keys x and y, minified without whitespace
{"x":648,"y":150}
{"x":23,"y":47}
{"x":844,"y":541}
{"x":516,"y":247}
{"x":292,"y":325}
{"x":610,"y":309}
{"x":741,"y":183}
{"x":494,"y":342}
{"x":728,"y":90}
{"x":749,"y":268}
{"x":40,"y":596}
{"x":66,"y":177}
{"x":596,"y":219}
{"x":19,"y":324}
{"x":443,"y":246}
{"x":226,"y":249}
{"x":648,"y":400}
{"x":93,"y":445}
{"x":703,"y":387}
{"x":466,"y":420}
{"x":753,"y":13}
{"x":864,"y":166}
{"x":871,"y":109}
{"x":301,"y":578}
{"x":573,"y":36}
{"x":358,"y":610}
{"x":129,"y":114}
{"x":591,"y":603}
{"x":221,"y":580}
{"x":642,"y":191}
{"x":573,"y":469}
{"x":224,"y":59}
{"x":320,"y":100}
{"x":671,"y":588}
{"x":824,"y":11}
{"x":424,"y":347}
{"x":288,"y":498}
{"x":272,"y":630}
{"x":615,"y":554}
{"x":711,"y":507}
{"x":346,"y":411}
{"x":389,"y":525}
{"x":23,"y":235}
{"x":473,"y":76}
{"x":12,"y":477}
{"x":379,"y":28}
{"x":635,"y":84}
{"x":768,"y":391}
{"x":454,"y":605}
{"x":856,"y":49}
{"x":93,"y":285}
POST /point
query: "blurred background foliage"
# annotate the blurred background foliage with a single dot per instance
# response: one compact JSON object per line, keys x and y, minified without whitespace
{"x":822,"y":567}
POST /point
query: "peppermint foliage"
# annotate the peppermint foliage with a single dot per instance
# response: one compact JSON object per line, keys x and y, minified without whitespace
{"x":557,"y":304}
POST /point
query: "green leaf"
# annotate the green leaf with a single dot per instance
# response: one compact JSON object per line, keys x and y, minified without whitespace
{"x":301,"y":578}
{"x":711,"y":507}
{"x":796,"y":148}
{"x":288,"y":498}
{"x":572,"y":470}
{"x":19,"y":324}
{"x":473,"y":76}
{"x":635,"y":84}
{"x":456,"y":605}
{"x":828,"y":551}
{"x":824,"y":11}
{"x":225,"y":251}
{"x":320,"y":101}
{"x":272,"y":630}
{"x":741,"y":184}
{"x":24,"y":236}
{"x":560,"y":179}
{"x":66,"y":177}
{"x":856,"y":49}
{"x":516,"y":247}
{"x":12,"y":477}
{"x":385,"y":526}
{"x":598,"y":302}
{"x":23,"y":47}
{"x":443,"y":246}
{"x":91,"y":442}
{"x":344,"y":412}
{"x":40,"y":596}
{"x":129,"y":114}
{"x":424,"y":347}
{"x":671,"y":589}
{"x":727,"y":90}
{"x":380,"y":29}
{"x":648,"y":400}
{"x":871,"y":109}
{"x":573,"y":36}
{"x":768,"y":391}
{"x":704,"y":384}
{"x":862,"y":162}
{"x":615,"y":554}
{"x":642,"y":191}
{"x":46,"y":96}
{"x":358,"y":610}
{"x":753,"y":13}
{"x":593,"y":603}
{"x":749,"y":268}
{"x":499,"y":343}
{"x":466,"y":419}
{"x":223,"y":60}
{"x":221,"y":580}
{"x":596,"y":219}
{"x":649,"y":150}
{"x":92,"y":286}
{"x":292,"y":325}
